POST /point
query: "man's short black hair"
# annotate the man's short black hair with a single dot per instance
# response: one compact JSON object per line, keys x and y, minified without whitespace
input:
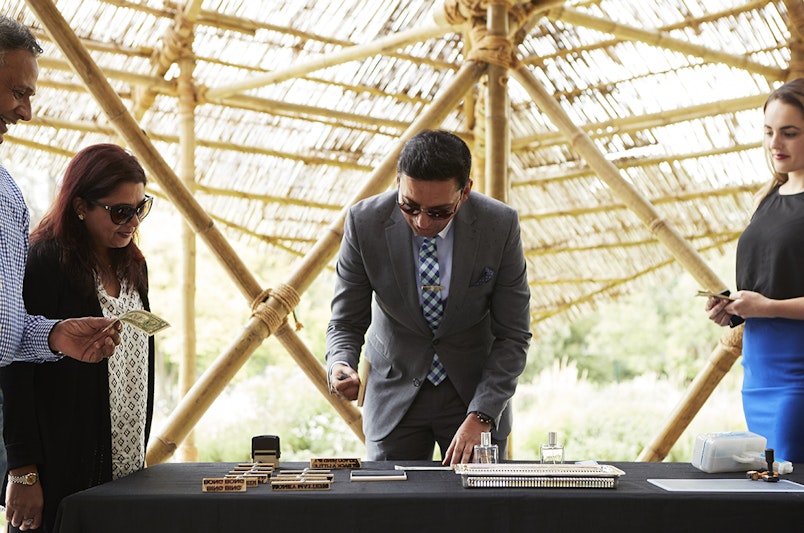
{"x":436,"y":155}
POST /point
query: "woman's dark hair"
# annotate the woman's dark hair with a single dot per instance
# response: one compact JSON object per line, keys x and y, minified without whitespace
{"x":93,"y":173}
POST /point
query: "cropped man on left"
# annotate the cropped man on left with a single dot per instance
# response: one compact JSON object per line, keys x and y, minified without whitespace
{"x":24,"y":337}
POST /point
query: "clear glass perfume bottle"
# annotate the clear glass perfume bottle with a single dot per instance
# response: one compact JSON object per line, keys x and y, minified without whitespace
{"x":552,"y":452}
{"x":486,"y":452}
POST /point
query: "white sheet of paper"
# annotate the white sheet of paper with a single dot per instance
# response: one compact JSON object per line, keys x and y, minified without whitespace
{"x":725,"y":485}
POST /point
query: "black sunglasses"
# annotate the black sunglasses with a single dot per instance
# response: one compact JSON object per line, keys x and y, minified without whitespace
{"x":436,"y":214}
{"x":122,"y":213}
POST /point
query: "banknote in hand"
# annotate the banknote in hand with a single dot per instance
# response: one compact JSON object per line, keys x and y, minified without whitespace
{"x":144,"y":320}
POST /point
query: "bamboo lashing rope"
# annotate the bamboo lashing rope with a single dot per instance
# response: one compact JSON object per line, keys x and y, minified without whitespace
{"x":285,"y":295}
{"x":493,"y":49}
{"x":486,"y":48}
{"x":350,"y":53}
{"x":458,"y":12}
{"x":177,"y":38}
{"x":452,"y":12}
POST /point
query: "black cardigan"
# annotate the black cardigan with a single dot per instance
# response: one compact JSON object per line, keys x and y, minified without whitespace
{"x":56,"y":415}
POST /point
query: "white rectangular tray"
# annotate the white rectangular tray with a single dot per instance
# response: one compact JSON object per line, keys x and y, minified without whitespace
{"x":537,"y":475}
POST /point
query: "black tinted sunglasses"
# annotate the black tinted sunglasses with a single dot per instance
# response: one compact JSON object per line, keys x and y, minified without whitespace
{"x":437,"y":214}
{"x":122,"y":213}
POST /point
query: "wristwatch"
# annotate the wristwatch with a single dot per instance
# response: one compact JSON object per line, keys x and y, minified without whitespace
{"x":26,"y":479}
{"x":483,"y":417}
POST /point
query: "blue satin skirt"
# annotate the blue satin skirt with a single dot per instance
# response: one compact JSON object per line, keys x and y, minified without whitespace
{"x":773,"y":384}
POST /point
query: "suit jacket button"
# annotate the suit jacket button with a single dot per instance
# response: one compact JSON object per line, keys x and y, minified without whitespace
{"x":417,"y":382}
{"x":435,"y":341}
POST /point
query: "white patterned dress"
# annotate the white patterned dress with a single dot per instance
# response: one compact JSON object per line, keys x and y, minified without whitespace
{"x":128,"y":384}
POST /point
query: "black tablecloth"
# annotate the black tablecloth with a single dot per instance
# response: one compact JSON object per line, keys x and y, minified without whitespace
{"x":168,"y":497}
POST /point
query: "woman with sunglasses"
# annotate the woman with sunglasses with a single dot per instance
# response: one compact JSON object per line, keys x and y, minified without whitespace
{"x":77,"y":425}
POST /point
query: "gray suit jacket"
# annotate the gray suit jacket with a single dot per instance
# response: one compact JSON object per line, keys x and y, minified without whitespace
{"x":484,"y":335}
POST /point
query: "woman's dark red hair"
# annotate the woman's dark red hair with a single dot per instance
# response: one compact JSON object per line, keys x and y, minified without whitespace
{"x":92,"y":174}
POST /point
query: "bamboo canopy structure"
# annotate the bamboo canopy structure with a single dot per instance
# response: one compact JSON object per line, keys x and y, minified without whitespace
{"x":625,"y":133}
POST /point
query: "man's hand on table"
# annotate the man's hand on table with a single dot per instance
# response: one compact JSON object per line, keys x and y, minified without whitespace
{"x":466,"y":438}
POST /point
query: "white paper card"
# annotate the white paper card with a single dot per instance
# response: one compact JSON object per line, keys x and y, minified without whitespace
{"x":725,"y":485}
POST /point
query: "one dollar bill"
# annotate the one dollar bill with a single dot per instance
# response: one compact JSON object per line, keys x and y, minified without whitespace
{"x":144,"y":320}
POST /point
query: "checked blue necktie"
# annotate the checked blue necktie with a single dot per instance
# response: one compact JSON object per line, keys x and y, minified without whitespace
{"x":432,"y":306}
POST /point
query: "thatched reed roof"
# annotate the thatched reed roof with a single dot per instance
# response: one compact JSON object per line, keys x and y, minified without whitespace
{"x":669,"y":91}
{"x":299,"y":105}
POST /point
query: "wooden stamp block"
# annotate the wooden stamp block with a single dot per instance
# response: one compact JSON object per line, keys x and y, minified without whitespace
{"x":299,"y":485}
{"x":334,"y":462}
{"x":223,"y":484}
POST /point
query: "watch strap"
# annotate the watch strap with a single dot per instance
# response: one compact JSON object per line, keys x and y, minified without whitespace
{"x":25,"y":479}
{"x":483,"y":417}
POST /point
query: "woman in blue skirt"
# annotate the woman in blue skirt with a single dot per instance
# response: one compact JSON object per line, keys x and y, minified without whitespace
{"x":770,"y":283}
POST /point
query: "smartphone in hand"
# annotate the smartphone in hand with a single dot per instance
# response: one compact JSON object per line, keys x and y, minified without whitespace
{"x":716,"y":295}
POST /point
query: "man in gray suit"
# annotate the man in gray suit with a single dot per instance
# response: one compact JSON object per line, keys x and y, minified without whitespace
{"x":470,"y":322}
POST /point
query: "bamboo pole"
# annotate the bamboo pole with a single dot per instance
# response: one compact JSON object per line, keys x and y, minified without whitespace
{"x":212,"y":381}
{"x":40,"y":147}
{"x":93,"y":127}
{"x":680,"y":248}
{"x":795,"y":12}
{"x":637,"y":163}
{"x":609,"y":285}
{"x":251,"y":103}
{"x":149,"y":157}
{"x":498,"y":138}
{"x":663,"y":40}
{"x":318,"y":375}
{"x":300,"y":111}
{"x":161,"y":85}
{"x":352,"y":53}
{"x":667,"y":199}
{"x":650,"y":120}
{"x":469,"y":102}
{"x":171,"y":50}
{"x":582,"y":144}
{"x":720,"y":362}
{"x":188,"y":452}
{"x":479,"y":146}
{"x":721,"y":238}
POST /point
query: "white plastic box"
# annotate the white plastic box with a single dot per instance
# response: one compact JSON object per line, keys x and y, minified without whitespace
{"x":729,"y":452}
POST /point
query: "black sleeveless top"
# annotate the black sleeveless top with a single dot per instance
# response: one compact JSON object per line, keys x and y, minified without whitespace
{"x":770,"y":252}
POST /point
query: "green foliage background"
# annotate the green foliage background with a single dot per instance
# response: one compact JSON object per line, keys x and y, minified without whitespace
{"x":606,"y":382}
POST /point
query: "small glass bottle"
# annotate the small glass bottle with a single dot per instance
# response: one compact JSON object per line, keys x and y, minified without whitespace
{"x":552,"y":452}
{"x":486,"y":452}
